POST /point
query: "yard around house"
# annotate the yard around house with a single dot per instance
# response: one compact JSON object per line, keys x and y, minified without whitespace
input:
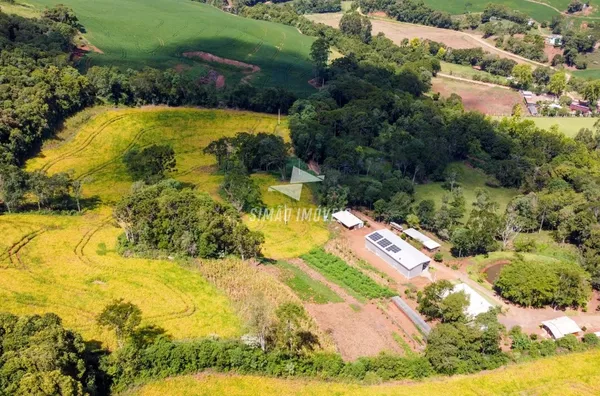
{"x":155,"y":33}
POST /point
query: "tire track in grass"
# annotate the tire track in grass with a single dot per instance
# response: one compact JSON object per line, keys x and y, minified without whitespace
{"x":189,"y":306}
{"x":12,"y":253}
{"x":103,"y":165}
{"x":86,"y":142}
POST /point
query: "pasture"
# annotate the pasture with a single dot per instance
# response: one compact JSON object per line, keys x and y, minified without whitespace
{"x":94,"y":155}
{"x":68,"y":265}
{"x":567,"y":125}
{"x":134,"y":34}
{"x":573,"y":374}
{"x":469,"y":179}
{"x":539,"y":12}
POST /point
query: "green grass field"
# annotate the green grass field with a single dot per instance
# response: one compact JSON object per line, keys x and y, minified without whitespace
{"x":135,"y":33}
{"x":305,"y":287}
{"x":538,"y":12}
{"x":570,"y":375}
{"x":467,"y":71}
{"x":567,"y":125}
{"x":469,"y":179}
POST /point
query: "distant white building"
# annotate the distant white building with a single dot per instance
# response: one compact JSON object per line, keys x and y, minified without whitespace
{"x":555,"y":40}
{"x":429,"y":243}
{"x":348,"y":220}
{"x":560,"y":327}
{"x":398,"y":253}
{"x":477,"y":303}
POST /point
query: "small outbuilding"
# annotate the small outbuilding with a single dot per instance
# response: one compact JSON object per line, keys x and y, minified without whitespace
{"x":560,"y":327}
{"x":398,"y":253}
{"x":427,"y":242}
{"x":477,"y":303}
{"x":348,"y":220}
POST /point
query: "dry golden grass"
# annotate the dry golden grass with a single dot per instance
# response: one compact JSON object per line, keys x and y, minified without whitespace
{"x":67,"y":265}
{"x":575,"y":374}
{"x":94,"y":155}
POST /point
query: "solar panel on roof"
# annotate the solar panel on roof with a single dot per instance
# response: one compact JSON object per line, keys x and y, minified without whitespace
{"x":384,"y":243}
{"x":375,"y":236}
{"x":394,"y":249}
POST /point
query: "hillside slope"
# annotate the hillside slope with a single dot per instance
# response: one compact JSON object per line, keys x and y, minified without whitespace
{"x":576,"y":374}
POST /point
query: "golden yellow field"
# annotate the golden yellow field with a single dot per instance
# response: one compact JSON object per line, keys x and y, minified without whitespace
{"x":94,"y":155}
{"x":67,"y":265}
{"x":575,"y":374}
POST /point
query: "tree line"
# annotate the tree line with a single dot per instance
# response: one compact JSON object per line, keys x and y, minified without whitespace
{"x":35,"y":62}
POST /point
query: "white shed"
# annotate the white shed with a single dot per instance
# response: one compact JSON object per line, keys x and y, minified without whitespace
{"x":477,"y":303}
{"x":429,"y":243}
{"x":348,"y":220}
{"x":561,"y":327}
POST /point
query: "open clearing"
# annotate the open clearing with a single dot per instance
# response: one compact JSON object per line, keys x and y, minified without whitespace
{"x":398,"y":31}
{"x":68,"y":265}
{"x":95,"y":154}
{"x":156,"y":33}
{"x":567,"y":125}
{"x":574,"y":374}
{"x":488,"y":100}
{"x":469,"y":179}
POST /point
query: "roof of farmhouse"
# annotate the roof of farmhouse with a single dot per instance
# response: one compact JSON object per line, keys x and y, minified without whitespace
{"x":397,"y":248}
{"x":347,"y":218}
{"x":477,"y":304}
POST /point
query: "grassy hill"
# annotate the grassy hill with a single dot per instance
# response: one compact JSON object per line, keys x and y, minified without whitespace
{"x":135,"y":33}
{"x":575,"y":374}
{"x":94,"y":155}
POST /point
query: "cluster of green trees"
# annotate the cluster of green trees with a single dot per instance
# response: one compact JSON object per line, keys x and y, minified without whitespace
{"x":38,"y":356}
{"x":39,"y":88}
{"x":476,"y":57}
{"x":56,"y":192}
{"x":317,"y":6}
{"x":531,"y":46}
{"x":412,"y":11}
{"x":501,"y":11}
{"x":524,"y":347}
{"x":537,"y":284}
{"x":150,"y":163}
{"x":167,"y":218}
{"x":416,"y":65}
{"x":460,"y":344}
{"x":237,"y":157}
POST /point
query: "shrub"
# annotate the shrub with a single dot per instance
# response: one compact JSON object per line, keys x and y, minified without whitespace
{"x":591,"y":340}
{"x":438,"y":257}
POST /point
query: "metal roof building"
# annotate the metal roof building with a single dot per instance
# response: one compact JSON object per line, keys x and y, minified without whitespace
{"x":348,"y":220}
{"x":398,"y":253}
{"x":429,"y":243}
{"x":561,"y":327}
{"x":477,"y":304}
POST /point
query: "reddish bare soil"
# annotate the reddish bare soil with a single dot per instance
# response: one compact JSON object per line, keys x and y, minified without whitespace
{"x":205,"y":56}
{"x":477,"y":97}
{"x":357,"y":329}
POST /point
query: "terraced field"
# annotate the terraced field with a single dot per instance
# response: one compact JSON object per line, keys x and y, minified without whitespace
{"x":136,"y":33}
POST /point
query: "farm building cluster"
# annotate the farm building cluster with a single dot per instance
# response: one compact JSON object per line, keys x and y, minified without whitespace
{"x":546,"y":105}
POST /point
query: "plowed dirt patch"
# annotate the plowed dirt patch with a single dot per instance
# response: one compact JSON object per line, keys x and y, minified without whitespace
{"x":205,"y":56}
